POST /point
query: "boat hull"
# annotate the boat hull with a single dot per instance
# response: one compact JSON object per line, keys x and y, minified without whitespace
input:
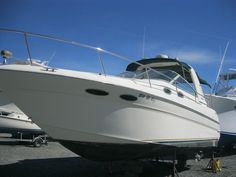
{"x":114,"y":151}
{"x":228,"y":122}
{"x":15,"y":127}
{"x":221,"y":104}
{"x":65,"y":109}
{"x":227,"y":139}
{"x":228,"y":129}
{"x":225,"y":107}
{"x":17,"y":124}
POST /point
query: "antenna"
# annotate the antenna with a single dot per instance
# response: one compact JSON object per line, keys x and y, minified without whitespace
{"x":144,"y":38}
{"x":221,"y":64}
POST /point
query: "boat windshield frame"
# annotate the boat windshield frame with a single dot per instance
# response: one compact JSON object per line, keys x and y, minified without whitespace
{"x":172,"y":78}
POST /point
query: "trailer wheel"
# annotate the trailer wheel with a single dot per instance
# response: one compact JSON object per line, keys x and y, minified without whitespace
{"x":38,"y":142}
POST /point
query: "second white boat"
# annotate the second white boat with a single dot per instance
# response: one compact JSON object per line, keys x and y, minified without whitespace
{"x":224,"y":102}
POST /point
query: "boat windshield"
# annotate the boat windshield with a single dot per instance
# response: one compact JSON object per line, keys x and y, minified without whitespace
{"x":165,"y":75}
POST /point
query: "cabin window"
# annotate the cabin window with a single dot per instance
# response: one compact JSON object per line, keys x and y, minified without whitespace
{"x":128,"y":97}
{"x":3,"y":113}
{"x":182,"y":84}
{"x":97,"y":92}
{"x":167,"y":90}
{"x":180,"y":94}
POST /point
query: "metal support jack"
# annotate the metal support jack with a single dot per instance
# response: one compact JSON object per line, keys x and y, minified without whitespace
{"x":174,"y":172}
{"x":214,"y":164}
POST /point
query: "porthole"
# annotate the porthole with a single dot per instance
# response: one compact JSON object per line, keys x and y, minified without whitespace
{"x":180,"y":94}
{"x":97,"y":92}
{"x":128,"y":97}
{"x":167,"y":90}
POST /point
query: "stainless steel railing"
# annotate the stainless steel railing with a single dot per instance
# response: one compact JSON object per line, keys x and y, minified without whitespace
{"x":100,"y":59}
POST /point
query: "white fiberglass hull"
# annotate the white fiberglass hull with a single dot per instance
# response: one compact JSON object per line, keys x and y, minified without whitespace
{"x":13,"y":120}
{"x":9,"y":124}
{"x":225,"y":107}
{"x":59,"y":103}
{"x":228,"y":122}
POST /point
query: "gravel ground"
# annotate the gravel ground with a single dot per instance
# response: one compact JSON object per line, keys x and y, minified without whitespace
{"x":54,"y":160}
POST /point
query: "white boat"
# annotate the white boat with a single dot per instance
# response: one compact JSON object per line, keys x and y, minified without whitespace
{"x":140,"y":113}
{"x":224,"y":102}
{"x":14,"y":122}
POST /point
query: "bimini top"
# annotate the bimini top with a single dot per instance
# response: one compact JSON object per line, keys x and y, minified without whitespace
{"x":166,"y":63}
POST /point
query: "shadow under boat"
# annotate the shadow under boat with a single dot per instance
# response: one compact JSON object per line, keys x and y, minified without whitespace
{"x":76,"y":166}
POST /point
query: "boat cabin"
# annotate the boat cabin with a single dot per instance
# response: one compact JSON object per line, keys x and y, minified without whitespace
{"x":171,"y":70}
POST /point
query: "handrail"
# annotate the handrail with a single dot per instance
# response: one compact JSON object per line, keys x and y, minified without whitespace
{"x":97,"y":49}
{"x":172,"y":80}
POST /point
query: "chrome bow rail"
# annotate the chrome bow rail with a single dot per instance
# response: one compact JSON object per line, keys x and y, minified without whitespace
{"x":99,"y":51}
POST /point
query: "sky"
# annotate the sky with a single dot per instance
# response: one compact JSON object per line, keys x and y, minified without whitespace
{"x":193,"y":31}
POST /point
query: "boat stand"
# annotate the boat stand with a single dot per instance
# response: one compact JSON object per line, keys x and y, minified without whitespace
{"x":214,"y":164}
{"x":174,"y":172}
